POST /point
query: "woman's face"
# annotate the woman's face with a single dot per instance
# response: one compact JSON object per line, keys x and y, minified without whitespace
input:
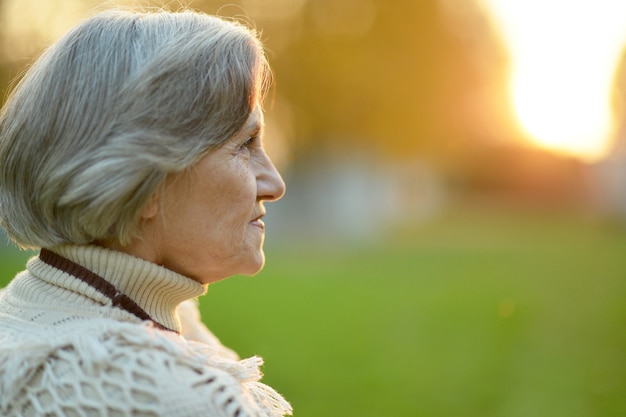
{"x":207,"y":222}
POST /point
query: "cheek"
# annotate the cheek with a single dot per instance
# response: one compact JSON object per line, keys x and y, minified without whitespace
{"x":233,"y":213}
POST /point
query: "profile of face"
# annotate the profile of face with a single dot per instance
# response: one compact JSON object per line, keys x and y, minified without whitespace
{"x":206,"y":222}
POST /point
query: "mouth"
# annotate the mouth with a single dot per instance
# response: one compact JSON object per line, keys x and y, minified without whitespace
{"x":257,"y":222}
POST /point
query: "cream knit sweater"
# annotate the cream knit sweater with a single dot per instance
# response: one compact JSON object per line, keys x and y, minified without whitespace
{"x":66,"y":351}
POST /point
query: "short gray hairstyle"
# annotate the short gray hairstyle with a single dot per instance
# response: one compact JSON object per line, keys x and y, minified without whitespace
{"x":108,"y":112}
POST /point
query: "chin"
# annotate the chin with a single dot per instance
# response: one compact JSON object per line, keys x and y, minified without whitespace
{"x":255,"y":265}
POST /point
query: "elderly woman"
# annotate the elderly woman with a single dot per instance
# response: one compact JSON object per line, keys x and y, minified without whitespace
{"x":131,"y":153}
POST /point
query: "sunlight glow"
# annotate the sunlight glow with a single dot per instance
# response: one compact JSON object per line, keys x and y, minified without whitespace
{"x":564,"y":55}
{"x":27,"y":26}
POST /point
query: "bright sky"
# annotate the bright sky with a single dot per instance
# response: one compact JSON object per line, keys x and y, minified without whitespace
{"x":564,"y":55}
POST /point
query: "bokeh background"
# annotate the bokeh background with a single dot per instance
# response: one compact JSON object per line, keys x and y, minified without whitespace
{"x":453,"y":238}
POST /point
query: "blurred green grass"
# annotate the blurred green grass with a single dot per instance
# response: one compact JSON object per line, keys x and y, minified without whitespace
{"x":483,"y":313}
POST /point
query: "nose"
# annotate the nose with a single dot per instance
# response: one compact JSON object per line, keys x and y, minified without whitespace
{"x":270,"y":184}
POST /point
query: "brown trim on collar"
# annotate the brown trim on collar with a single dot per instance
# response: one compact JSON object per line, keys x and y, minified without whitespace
{"x":118,"y":299}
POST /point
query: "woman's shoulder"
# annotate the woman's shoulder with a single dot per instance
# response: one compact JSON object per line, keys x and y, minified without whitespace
{"x":131,"y":369}
{"x":192,"y":328}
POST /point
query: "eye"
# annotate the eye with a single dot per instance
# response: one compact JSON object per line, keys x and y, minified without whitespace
{"x":248,"y":143}
{"x":245,"y":147}
{"x":253,"y":141}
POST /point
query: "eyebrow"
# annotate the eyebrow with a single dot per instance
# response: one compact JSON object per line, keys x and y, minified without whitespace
{"x":256,"y":126}
{"x":256,"y":129}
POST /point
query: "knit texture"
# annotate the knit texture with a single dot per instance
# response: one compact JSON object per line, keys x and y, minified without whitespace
{"x":66,"y":351}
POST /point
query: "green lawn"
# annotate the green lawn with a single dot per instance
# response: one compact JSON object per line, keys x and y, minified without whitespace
{"x":480,"y":314}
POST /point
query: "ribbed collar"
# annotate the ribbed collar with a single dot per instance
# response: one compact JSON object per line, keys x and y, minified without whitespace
{"x":155,"y":289}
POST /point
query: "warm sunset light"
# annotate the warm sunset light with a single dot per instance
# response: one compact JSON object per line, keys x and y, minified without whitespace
{"x":27,"y":26}
{"x":564,"y":54}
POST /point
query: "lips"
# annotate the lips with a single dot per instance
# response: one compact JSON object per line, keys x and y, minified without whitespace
{"x":257,"y":222}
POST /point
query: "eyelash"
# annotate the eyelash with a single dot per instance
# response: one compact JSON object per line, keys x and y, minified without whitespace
{"x":251,"y":140}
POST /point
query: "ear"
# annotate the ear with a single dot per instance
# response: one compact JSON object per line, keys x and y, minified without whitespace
{"x":151,"y":209}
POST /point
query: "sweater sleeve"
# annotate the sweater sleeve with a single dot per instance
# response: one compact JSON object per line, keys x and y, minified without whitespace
{"x":135,"y":374}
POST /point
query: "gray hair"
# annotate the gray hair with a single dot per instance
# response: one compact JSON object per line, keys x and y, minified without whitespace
{"x":109,"y":111}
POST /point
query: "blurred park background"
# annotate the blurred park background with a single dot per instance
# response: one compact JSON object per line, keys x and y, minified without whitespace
{"x":453,"y":238}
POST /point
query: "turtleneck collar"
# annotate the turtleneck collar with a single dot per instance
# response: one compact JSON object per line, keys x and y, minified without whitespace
{"x":155,"y":289}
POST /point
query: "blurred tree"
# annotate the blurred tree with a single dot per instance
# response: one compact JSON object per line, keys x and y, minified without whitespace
{"x":398,"y":79}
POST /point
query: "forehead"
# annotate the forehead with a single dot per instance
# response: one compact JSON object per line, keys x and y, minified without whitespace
{"x":255,"y":120}
{"x":253,"y":125}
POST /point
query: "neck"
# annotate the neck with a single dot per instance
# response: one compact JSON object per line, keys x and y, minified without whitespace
{"x":129,"y":281}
